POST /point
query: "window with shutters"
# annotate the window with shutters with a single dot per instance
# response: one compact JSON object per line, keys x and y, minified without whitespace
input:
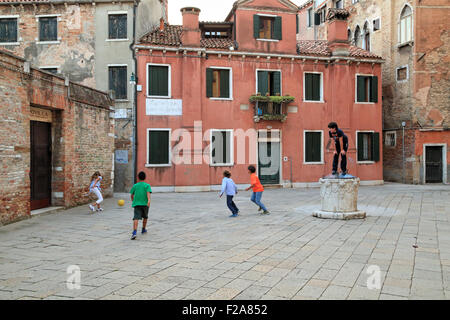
{"x":267,"y":27}
{"x":117,"y":26}
{"x":219,"y":83}
{"x":368,"y":146}
{"x":390,"y":139}
{"x":312,"y":87}
{"x":309,"y":18}
{"x":268,"y":82}
{"x":339,"y":4}
{"x":48,"y":28}
{"x":158,"y":80}
{"x":405,"y":26}
{"x":158,"y":147}
{"x":8,"y":30}
{"x":376,"y":24}
{"x":118,"y":81}
{"x":366,"y":89}
{"x":221,"y":147}
{"x":312,"y":147}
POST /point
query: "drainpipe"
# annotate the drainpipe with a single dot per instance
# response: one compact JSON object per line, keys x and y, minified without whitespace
{"x":403,"y":151}
{"x":134,"y":112}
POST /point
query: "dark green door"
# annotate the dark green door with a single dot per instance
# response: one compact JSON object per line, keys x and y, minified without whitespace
{"x":269,"y":162}
{"x":433,"y":164}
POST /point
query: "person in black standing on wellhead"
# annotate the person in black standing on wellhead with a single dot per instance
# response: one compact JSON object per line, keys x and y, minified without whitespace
{"x":340,"y":139}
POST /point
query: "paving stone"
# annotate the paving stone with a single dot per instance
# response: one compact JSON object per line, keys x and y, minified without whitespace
{"x":335,"y":293}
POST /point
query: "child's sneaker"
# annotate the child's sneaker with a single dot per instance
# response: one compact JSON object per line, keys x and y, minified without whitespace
{"x":233,"y":215}
{"x":266,"y":212}
{"x":260,"y":209}
{"x":133,"y":235}
{"x":100,"y":209}
{"x":144,"y":231}
{"x":92,"y":207}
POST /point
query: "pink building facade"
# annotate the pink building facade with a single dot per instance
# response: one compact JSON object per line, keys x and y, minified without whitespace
{"x":215,"y":96}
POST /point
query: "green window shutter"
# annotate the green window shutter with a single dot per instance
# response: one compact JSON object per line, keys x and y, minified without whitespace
{"x":313,"y":147}
{"x":224,"y":83}
{"x":376,"y":146}
{"x":158,"y":81}
{"x":256,"y":26}
{"x":209,"y":80}
{"x":360,"y":90}
{"x":296,"y":23}
{"x":263,"y":79}
{"x":360,"y":147}
{"x":277,"y":82}
{"x":277,"y":29}
{"x":308,"y":86}
{"x":374,"y":89}
{"x":158,"y":147}
{"x":316,"y":86}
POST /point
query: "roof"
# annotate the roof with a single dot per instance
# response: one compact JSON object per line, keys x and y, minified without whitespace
{"x":306,"y":4}
{"x":4,"y":2}
{"x":171,"y":36}
{"x":322,"y":48}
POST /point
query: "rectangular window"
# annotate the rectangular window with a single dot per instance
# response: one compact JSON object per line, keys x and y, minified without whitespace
{"x":366,"y":89}
{"x":376,"y":24}
{"x":339,"y":4}
{"x":313,"y":87}
{"x":8,"y":30}
{"x":368,"y":146}
{"x":52,"y":70}
{"x":117,"y":26}
{"x":266,"y":27}
{"x":48,"y":29}
{"x":221,"y":147}
{"x":313,"y":147}
{"x":309,"y":18}
{"x":158,"y":81}
{"x":118,"y":81}
{"x":218,"y":83}
{"x":159,"y":147}
{"x":390,"y":139}
{"x":402,"y":74}
{"x":269,"y":82}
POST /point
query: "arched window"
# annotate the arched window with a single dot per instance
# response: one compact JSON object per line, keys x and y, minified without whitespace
{"x":366,"y":37}
{"x":349,"y":35}
{"x":405,"y":25}
{"x":357,"y":37}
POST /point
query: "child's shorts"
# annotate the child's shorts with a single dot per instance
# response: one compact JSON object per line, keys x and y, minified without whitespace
{"x":140,"y":212}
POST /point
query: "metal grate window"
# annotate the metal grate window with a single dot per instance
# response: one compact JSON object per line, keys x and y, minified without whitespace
{"x":118,"y":81}
{"x":117,"y":26}
{"x":8,"y":30}
{"x":48,"y":29}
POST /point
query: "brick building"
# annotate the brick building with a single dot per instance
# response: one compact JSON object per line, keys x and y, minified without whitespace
{"x":216,"y":96}
{"x":89,"y":42}
{"x":53,"y":135}
{"x":413,"y":39}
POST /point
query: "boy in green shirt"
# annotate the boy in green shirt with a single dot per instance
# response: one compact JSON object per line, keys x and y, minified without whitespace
{"x":140,"y":195}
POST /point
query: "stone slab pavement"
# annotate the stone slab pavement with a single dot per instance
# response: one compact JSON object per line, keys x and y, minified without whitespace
{"x":195,"y":251}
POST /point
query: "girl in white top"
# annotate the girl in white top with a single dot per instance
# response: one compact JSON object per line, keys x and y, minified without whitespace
{"x":95,"y":188}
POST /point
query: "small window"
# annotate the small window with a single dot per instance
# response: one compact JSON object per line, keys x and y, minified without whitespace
{"x":267,"y":27}
{"x":357,"y":37}
{"x":368,"y":146}
{"x":366,"y":89}
{"x":390,"y":139}
{"x":118,"y":81}
{"x":309,"y":19}
{"x":355,"y":1}
{"x":158,"y":147}
{"x":339,"y":4}
{"x":221,"y":147}
{"x":323,"y":14}
{"x":52,"y":70}
{"x":8,"y":30}
{"x":313,"y":87}
{"x":376,"y":24}
{"x":366,"y":37}
{"x":158,"y":81}
{"x":48,"y":29}
{"x":313,"y":147}
{"x":402,"y":74}
{"x":218,"y":83}
{"x":405,"y":25}
{"x":117,"y":26}
{"x":269,"y":82}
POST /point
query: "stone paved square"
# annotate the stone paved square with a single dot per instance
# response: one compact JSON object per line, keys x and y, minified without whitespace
{"x":193,"y":250}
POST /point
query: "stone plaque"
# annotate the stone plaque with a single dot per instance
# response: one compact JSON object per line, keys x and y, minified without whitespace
{"x":164,"y":107}
{"x":38,"y":114}
{"x":122,"y":156}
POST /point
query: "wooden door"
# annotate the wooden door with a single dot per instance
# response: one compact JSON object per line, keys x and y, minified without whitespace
{"x":41,"y":172}
{"x":433,"y":164}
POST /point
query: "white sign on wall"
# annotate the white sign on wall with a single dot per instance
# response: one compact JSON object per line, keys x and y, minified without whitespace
{"x":164,"y":107}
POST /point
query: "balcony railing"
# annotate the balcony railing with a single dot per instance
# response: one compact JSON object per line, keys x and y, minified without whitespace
{"x":270,"y":107}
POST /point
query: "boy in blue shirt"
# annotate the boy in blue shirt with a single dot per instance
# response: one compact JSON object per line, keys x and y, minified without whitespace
{"x":229,"y":187}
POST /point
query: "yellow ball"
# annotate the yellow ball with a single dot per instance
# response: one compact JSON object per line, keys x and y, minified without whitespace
{"x":121,"y":202}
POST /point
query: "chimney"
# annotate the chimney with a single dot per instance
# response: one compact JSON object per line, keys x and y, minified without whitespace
{"x":161,"y":24}
{"x":191,"y":30}
{"x":337,"y":32}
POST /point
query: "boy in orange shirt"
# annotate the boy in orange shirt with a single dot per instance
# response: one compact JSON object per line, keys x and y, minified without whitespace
{"x":257,"y":189}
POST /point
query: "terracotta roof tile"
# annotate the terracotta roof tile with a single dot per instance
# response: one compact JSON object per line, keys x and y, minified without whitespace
{"x":321,"y":48}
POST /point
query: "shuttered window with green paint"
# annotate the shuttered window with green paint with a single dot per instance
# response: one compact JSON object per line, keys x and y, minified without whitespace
{"x":118,"y":81}
{"x":269,"y":82}
{"x":158,"y":81}
{"x":313,"y":146}
{"x":8,"y":30}
{"x":313,"y":87}
{"x":267,"y":27}
{"x":48,"y":29}
{"x":368,"y":146}
{"x":221,"y":147}
{"x":158,"y":147}
{"x":218,"y":83}
{"x":367,"y":89}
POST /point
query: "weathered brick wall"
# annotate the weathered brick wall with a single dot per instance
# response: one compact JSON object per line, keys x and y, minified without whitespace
{"x":82,"y":137}
{"x":76,"y":29}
